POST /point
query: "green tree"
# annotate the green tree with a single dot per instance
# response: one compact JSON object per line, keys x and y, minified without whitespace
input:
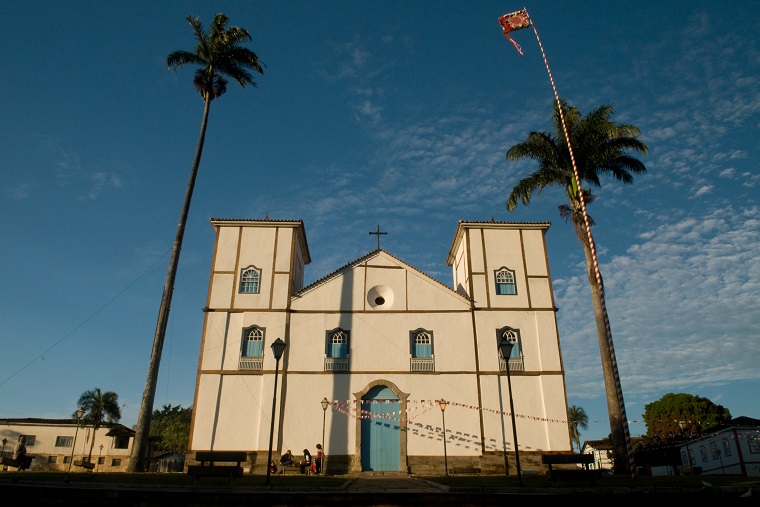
{"x":170,"y":429}
{"x":219,"y":55}
{"x":599,"y":147}
{"x":578,"y":419}
{"x":98,"y":406}
{"x":681,"y":415}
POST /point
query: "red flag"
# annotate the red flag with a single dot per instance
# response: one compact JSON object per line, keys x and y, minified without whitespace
{"x":512,"y":22}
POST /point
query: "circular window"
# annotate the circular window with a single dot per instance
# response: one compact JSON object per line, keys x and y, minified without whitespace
{"x":380,"y":297}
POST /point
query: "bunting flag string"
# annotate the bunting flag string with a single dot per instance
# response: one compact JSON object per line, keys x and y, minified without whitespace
{"x":349,"y":407}
{"x":420,"y":407}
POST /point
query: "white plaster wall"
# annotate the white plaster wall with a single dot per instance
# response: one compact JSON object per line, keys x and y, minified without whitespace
{"x":284,"y":249}
{"x":540,"y":293}
{"x":474,"y":242}
{"x":535,"y":252}
{"x":226,"y":248}
{"x":302,"y":425}
{"x":212,"y":345}
{"x":222,"y":290}
{"x":204,"y":412}
{"x":281,"y":291}
{"x":459,"y":269}
{"x":537,"y":339}
{"x":541,"y":422}
{"x":548,"y":354}
{"x":380,"y":342}
{"x":244,"y":412}
{"x":427,"y":294}
{"x":504,"y":249}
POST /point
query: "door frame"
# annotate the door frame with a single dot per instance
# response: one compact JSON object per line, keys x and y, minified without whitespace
{"x":402,"y":397}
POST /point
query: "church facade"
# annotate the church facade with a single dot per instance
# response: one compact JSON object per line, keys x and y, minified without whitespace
{"x":374,"y":348}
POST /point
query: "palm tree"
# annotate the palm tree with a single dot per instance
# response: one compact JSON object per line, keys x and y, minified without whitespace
{"x":98,"y":406}
{"x":219,"y":55}
{"x":598,"y":146}
{"x":578,"y":419}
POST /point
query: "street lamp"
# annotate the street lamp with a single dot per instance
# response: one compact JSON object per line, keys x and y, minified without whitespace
{"x":506,"y":350}
{"x":325,"y":403}
{"x":443,"y":404}
{"x":278,"y":347}
{"x":5,"y":441}
{"x":100,"y":456}
{"x":80,"y":413}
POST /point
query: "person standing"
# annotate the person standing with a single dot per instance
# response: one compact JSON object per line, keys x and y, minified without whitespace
{"x":318,"y":460}
{"x":19,"y":454}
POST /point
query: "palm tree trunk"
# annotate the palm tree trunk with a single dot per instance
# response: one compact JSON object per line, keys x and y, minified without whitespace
{"x":95,"y":428}
{"x":615,"y":407}
{"x":140,"y":444}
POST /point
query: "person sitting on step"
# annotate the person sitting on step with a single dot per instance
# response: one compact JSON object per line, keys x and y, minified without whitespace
{"x":305,"y":463}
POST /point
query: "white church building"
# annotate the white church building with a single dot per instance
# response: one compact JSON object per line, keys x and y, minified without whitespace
{"x":381,"y":343}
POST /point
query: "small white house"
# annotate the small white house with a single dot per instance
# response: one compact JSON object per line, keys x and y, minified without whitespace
{"x":602,"y":451}
{"x":373,"y":348}
{"x":61,"y":444}
{"x":732,"y":449}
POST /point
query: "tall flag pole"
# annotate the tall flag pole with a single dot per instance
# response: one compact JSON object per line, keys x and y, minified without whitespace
{"x":512,"y":22}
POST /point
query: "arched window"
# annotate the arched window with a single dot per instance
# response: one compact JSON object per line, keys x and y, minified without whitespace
{"x":249,"y":280}
{"x":515,"y":356}
{"x":423,"y":344}
{"x":337,"y":343}
{"x":253,"y":344}
{"x":252,"y":351}
{"x":505,"y":282}
{"x":422,"y":353}
{"x":337,"y":347}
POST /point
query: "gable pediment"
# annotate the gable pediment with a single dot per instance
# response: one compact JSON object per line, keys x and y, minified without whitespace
{"x":378,"y":281}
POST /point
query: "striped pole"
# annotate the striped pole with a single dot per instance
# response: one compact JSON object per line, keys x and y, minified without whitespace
{"x":597,"y":273}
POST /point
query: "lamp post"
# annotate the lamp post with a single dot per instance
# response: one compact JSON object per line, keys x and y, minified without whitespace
{"x":100,"y":456}
{"x":80,"y":413}
{"x":278,"y":347}
{"x":443,"y":404}
{"x":325,"y":403}
{"x":506,"y":350}
{"x":5,"y":441}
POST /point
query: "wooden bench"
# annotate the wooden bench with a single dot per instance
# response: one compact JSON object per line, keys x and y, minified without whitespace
{"x":10,"y":462}
{"x":209,"y":468}
{"x":584,"y":473}
{"x":284,"y":470}
{"x":88,"y":465}
{"x":294,"y":469}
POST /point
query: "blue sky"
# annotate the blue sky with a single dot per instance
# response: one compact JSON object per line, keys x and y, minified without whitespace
{"x":397,"y":114}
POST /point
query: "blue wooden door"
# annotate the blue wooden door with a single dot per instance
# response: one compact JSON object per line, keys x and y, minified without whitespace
{"x":381,"y":430}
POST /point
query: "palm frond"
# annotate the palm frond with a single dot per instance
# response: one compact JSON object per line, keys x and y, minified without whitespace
{"x":219,"y":56}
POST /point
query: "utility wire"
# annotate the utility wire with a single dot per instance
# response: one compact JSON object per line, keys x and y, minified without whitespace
{"x":84,"y":321}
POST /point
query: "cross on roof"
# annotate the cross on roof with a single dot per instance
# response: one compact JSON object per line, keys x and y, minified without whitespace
{"x":378,"y":233}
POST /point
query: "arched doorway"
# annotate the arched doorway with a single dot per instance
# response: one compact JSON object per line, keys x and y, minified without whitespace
{"x":382,"y":428}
